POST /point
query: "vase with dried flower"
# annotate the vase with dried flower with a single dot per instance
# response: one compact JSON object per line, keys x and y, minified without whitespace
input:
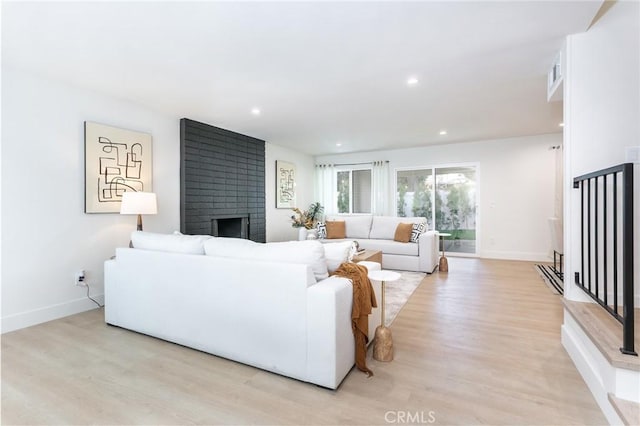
{"x":307,"y":219}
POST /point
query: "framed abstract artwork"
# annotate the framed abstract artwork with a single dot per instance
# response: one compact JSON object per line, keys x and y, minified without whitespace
{"x":285,"y":185}
{"x":116,"y":161}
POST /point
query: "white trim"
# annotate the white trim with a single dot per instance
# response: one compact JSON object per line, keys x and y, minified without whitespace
{"x":515,"y":255}
{"x":460,"y":254}
{"x":570,"y":197}
{"x":600,"y":376}
{"x":49,"y":313}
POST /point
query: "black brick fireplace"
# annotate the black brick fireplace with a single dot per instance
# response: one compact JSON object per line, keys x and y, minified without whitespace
{"x":221,"y":182}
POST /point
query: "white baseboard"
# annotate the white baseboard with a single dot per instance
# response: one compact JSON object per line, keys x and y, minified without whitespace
{"x":49,"y":313}
{"x":595,"y":370}
{"x":516,"y":255}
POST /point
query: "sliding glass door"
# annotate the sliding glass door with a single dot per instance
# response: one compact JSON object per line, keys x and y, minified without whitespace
{"x":456,"y":207}
{"x":446,"y":196}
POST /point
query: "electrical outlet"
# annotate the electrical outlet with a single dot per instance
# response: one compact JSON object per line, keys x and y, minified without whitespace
{"x":632,"y":154}
{"x":80,"y":279}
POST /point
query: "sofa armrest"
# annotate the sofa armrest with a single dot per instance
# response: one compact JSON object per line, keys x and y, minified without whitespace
{"x":330,"y":342}
{"x":428,"y":251}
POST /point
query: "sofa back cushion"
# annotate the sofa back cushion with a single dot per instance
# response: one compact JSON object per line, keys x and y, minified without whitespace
{"x":357,"y":226}
{"x":384,"y":227}
{"x":307,"y":252}
{"x":175,"y":243}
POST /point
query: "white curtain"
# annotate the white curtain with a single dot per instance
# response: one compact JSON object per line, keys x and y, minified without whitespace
{"x":325,"y":187}
{"x":380,"y":181}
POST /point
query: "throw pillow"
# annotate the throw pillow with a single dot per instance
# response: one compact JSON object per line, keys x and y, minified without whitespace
{"x":322,"y":230}
{"x":336,"y":254}
{"x":418,"y":229}
{"x":403,"y":232}
{"x":336,"y":229}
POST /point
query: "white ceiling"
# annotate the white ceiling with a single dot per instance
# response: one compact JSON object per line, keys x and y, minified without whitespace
{"x":321,"y":72}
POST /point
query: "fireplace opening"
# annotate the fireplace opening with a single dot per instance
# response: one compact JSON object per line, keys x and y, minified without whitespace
{"x":230,"y":226}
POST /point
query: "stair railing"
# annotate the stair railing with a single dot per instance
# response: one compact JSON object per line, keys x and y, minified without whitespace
{"x":606,"y":224}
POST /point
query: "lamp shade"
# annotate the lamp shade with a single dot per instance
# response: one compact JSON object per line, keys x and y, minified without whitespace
{"x":139,"y":203}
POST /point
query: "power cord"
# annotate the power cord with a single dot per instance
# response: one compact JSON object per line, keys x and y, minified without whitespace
{"x":91,"y":298}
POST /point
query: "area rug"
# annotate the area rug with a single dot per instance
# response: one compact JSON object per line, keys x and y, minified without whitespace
{"x":549,"y":276}
{"x":398,"y":292}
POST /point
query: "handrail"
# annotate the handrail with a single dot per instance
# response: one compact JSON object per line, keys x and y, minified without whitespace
{"x":600,"y":261}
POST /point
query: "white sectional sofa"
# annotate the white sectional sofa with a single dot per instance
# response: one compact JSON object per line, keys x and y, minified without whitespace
{"x":377,"y":233}
{"x":272,"y":306}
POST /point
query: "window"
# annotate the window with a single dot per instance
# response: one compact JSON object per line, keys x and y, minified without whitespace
{"x":446,"y":196}
{"x":354,"y":191}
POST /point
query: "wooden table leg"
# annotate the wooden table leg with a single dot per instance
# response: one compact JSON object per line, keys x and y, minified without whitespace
{"x":383,"y":340}
{"x":444,"y":264}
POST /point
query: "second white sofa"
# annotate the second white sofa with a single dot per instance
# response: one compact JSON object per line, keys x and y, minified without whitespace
{"x":377,"y":233}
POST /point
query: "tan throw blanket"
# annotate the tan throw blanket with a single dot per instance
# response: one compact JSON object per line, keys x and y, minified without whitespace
{"x":364,"y":298}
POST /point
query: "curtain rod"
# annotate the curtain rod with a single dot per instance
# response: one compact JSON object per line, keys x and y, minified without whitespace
{"x":349,"y":164}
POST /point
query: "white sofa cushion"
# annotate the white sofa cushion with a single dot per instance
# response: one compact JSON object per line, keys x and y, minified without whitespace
{"x":357,"y":226}
{"x":384,"y":227}
{"x":336,"y":254}
{"x":175,"y":243}
{"x":390,"y":246}
{"x":308,"y":252}
{"x":228,"y":247}
{"x":336,"y":240}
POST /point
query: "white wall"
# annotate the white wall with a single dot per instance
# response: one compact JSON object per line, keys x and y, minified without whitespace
{"x":278,"y":220}
{"x":602,"y":110}
{"x":43,"y":219}
{"x":516,"y":188}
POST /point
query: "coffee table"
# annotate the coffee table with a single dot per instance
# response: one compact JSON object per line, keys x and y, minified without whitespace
{"x":369,"y":256}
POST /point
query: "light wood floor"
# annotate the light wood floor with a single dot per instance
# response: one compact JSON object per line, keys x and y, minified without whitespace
{"x":479,"y":345}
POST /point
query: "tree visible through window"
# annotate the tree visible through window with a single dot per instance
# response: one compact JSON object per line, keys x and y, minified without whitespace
{"x":354,"y":191}
{"x":449,"y":202}
{"x":344,"y":192}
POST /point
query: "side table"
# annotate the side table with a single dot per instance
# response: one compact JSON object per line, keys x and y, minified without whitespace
{"x":443,"y":266}
{"x":383,"y":341}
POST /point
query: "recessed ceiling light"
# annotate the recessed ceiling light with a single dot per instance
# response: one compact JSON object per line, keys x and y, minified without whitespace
{"x":561,"y":124}
{"x":443,"y":132}
{"x":338,"y":144}
{"x":255,"y":111}
{"x":412,"y":81}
